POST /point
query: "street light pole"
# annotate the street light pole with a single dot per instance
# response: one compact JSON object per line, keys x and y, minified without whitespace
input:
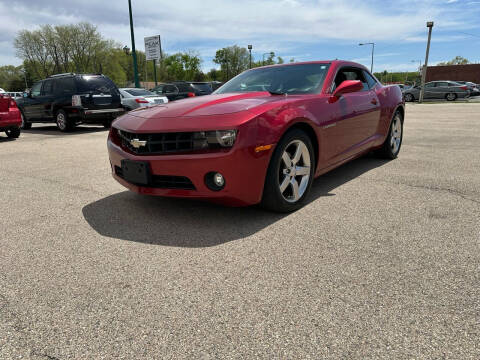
{"x":425,"y":64}
{"x":134,"y":53}
{"x":250,"y":51}
{"x":373,"y":50}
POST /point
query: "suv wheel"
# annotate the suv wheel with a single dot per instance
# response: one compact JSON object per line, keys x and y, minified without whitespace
{"x":25,"y":125}
{"x":62,"y":121}
{"x":451,"y":96}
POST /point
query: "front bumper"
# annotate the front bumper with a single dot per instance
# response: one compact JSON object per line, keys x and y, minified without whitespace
{"x":244,"y":171}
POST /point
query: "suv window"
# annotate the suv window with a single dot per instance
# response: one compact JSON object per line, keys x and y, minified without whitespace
{"x":350,"y":74}
{"x":47,"y":88}
{"x":203,"y":87}
{"x":36,"y":89}
{"x":182,"y":87}
{"x":64,"y":86}
{"x":96,"y":84}
{"x":168,"y":89}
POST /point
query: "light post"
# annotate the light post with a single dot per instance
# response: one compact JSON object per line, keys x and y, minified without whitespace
{"x":425,"y":64}
{"x":250,"y":51}
{"x":419,"y":66}
{"x":134,"y":53}
{"x":373,"y":49}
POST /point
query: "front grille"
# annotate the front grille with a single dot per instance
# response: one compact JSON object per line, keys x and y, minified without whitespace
{"x":162,"y":143}
{"x":164,"y":181}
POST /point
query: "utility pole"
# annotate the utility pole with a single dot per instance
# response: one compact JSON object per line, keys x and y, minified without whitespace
{"x":373,"y":50}
{"x":424,"y":70}
{"x":250,"y":50}
{"x":134,"y":53}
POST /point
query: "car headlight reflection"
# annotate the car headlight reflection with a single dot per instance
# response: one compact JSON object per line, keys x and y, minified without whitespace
{"x":214,"y":139}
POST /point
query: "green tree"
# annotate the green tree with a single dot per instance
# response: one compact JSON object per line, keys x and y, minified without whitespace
{"x":457,"y":60}
{"x":232,"y":60}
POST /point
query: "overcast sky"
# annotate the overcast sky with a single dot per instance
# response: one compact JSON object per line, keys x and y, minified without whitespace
{"x":302,"y":29}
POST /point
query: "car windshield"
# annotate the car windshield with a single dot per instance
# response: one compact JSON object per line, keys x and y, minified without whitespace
{"x":139,"y":92}
{"x":96,"y":84}
{"x":289,"y":79}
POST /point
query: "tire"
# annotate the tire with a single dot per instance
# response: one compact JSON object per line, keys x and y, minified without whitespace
{"x":409,"y":97}
{"x":451,"y":97}
{"x":13,"y":132}
{"x":25,"y":125}
{"x":284,"y":190}
{"x":62,"y":121}
{"x":393,"y":142}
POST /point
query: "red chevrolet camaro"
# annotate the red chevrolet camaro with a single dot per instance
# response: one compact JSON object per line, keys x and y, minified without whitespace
{"x":260,"y":138}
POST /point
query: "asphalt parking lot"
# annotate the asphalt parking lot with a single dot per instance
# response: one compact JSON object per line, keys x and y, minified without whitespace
{"x":384,"y":262}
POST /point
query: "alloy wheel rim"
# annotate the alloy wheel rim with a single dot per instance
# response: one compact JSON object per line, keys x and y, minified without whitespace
{"x":396,"y":134}
{"x":294,"y":172}
{"x":450,"y":96}
{"x":61,"y":121}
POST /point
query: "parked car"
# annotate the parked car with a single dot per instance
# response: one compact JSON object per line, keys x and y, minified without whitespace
{"x":404,"y":86}
{"x":133,"y":98}
{"x":261,"y":138}
{"x":183,"y":89}
{"x":10,"y":120}
{"x":474,"y":88}
{"x":15,"y":94}
{"x":449,"y":90}
{"x":2,"y":91}
{"x":70,"y":99}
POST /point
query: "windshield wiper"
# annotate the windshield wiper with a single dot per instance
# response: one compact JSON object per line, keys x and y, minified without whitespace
{"x":276,"y":92}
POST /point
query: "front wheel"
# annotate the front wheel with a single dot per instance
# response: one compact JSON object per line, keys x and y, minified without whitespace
{"x":25,"y":125}
{"x":409,"y":98}
{"x":13,"y":133}
{"x":290,"y":173}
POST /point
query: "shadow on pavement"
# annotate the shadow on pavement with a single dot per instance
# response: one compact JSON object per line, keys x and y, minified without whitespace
{"x":189,"y":223}
{"x":51,"y":129}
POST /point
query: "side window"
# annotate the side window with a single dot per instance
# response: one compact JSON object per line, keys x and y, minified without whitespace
{"x":370,"y":80}
{"x":441,"y":84}
{"x":47,"y":87}
{"x":168,"y":89}
{"x":350,"y":74}
{"x":430,"y":85}
{"x":64,"y":86}
{"x":36,"y":89}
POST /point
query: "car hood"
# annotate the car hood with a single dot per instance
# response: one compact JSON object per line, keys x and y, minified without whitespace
{"x":217,"y":104}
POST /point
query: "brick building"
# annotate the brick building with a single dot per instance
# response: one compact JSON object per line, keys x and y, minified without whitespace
{"x":470,"y":72}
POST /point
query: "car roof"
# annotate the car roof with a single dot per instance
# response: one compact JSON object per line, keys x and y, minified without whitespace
{"x":336,"y":62}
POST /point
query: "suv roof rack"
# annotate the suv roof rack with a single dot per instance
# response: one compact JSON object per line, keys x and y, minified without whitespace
{"x":63,"y":74}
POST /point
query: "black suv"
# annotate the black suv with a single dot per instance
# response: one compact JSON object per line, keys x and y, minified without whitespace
{"x":183,"y":89}
{"x":70,"y":99}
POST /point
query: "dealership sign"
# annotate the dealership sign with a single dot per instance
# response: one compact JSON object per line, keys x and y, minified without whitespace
{"x":153,"y":47}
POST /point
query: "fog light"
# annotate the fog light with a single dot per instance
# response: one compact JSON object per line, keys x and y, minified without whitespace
{"x":218,"y":179}
{"x":214,"y":181}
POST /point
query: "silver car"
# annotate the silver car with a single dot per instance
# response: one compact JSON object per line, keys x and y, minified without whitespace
{"x":133,"y":98}
{"x":449,"y":90}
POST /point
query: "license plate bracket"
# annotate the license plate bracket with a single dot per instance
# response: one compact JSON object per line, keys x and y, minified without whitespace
{"x":136,"y":172}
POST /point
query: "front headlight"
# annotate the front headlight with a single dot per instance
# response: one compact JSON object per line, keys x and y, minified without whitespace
{"x":214,"y":139}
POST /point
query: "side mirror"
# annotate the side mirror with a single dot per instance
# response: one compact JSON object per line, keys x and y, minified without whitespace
{"x":348,"y":86}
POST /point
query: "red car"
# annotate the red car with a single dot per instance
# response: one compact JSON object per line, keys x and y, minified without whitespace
{"x":10,"y":119}
{"x":260,"y":138}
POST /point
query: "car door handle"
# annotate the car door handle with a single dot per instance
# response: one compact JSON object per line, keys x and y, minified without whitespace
{"x":374,"y":101}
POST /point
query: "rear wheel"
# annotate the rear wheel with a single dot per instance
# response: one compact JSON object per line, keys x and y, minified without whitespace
{"x":63,"y":123}
{"x":451,"y":96}
{"x":13,"y":133}
{"x":290,"y":173}
{"x":393,"y":142}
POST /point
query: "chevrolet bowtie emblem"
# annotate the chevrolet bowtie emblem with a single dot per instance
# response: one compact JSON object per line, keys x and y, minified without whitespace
{"x":136,"y":143}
